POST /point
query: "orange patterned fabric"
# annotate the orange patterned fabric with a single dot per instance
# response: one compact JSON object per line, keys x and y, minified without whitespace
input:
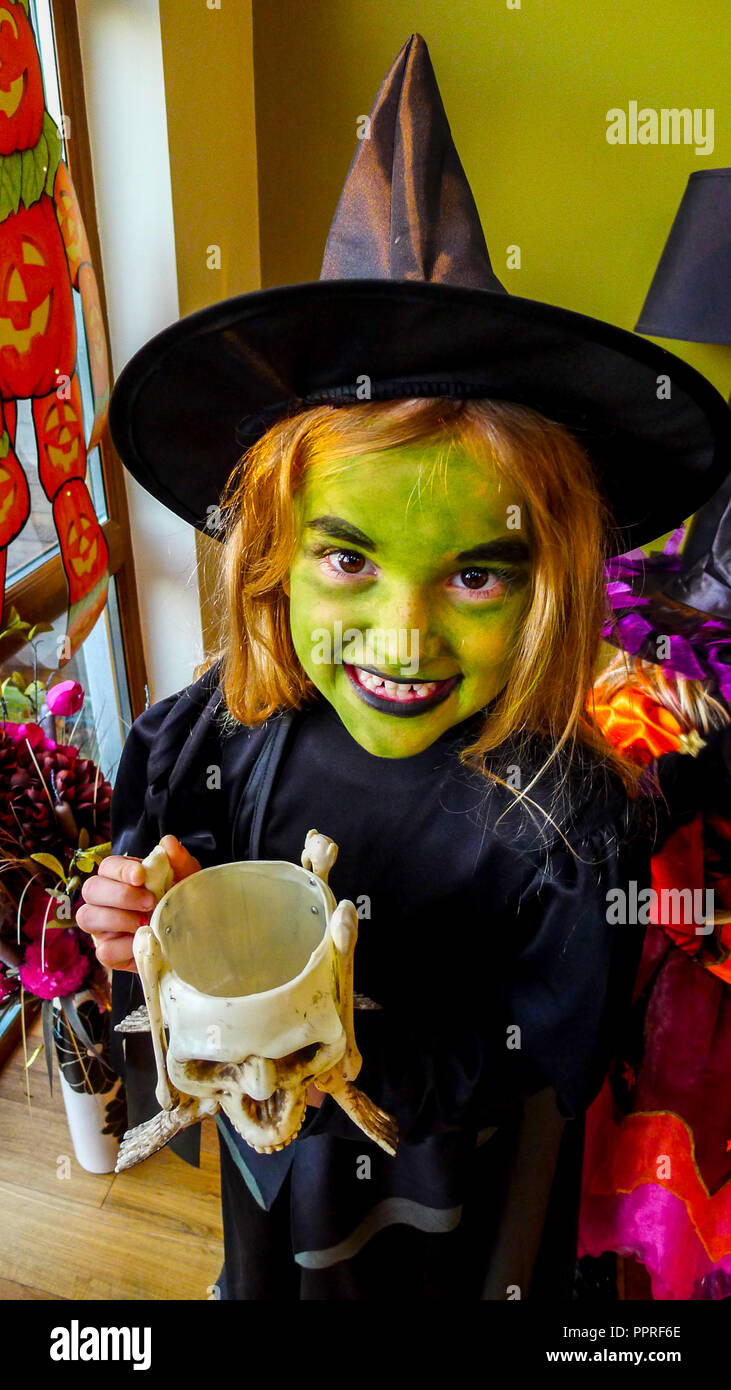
{"x":655,"y":1147}
{"x":643,"y":1192}
{"x":634,"y":721}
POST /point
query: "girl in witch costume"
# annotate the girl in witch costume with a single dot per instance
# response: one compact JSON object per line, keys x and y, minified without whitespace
{"x":425,"y":457}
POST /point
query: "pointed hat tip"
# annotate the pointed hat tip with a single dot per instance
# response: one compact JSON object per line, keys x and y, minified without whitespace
{"x":407,"y":211}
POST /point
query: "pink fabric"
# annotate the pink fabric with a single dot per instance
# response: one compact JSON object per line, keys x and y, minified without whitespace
{"x":652,"y":1226}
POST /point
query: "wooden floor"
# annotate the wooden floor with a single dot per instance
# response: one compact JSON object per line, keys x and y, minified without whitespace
{"x":153,"y":1232}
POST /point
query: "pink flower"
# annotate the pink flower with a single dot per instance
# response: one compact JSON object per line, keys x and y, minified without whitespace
{"x":62,"y":969}
{"x":33,"y":733}
{"x":64,"y":698}
{"x":9,"y":985}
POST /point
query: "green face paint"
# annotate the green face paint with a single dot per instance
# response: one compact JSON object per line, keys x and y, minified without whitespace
{"x":408,"y":577}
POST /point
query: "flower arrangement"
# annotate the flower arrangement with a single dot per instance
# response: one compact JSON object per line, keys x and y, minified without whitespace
{"x":696,"y":646}
{"x":54,"y":832}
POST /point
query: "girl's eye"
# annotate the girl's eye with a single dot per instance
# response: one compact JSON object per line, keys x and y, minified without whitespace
{"x":344,"y":562}
{"x":482,"y":583}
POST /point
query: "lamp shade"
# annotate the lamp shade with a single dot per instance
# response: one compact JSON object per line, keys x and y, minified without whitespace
{"x":690,"y":295}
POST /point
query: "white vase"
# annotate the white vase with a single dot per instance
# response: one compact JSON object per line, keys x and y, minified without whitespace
{"x":88,"y":1085}
{"x":86,"y":1115}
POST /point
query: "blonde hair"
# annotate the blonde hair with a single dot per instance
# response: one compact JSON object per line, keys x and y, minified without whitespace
{"x":558,"y":646}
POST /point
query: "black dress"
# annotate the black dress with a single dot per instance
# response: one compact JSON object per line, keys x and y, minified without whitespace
{"x":500,"y":984}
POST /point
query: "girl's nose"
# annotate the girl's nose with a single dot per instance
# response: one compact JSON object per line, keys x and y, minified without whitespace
{"x":407,"y":611}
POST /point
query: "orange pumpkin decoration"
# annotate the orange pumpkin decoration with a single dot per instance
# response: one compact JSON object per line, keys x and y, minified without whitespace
{"x":37,"y":327}
{"x":97,"y":345}
{"x":60,"y":437}
{"x":83,"y":547}
{"x":14,"y":498}
{"x":21,"y":84}
{"x":70,"y":221}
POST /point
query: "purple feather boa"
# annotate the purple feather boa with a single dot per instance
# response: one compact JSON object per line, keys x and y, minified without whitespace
{"x":685,"y":642}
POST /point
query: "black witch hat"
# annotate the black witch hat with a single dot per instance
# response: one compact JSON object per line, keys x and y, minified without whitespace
{"x":407,"y":299}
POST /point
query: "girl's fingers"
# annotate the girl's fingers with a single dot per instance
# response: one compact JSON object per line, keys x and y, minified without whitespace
{"x":183,"y":864}
{"x":115,"y":951}
{"x":109,"y":892}
{"x":109,"y":919}
{"x":116,"y":902}
{"x":122,"y":868}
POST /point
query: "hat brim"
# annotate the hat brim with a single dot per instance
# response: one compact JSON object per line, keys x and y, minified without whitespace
{"x":191,"y":400}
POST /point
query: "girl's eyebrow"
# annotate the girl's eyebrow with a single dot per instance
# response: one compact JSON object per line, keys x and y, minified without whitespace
{"x":509,"y":549}
{"x":506,"y":549}
{"x":340,"y":530}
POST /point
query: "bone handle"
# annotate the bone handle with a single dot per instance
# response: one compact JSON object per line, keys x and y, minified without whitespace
{"x":344,"y":932}
{"x":159,"y":878}
{"x":159,"y":875}
{"x":319,"y":854}
{"x":377,"y":1124}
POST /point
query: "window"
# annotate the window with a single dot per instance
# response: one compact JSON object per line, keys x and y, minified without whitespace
{"x":110,"y":664}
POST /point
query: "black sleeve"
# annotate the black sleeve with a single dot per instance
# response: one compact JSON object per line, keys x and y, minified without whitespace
{"x":577,"y":966}
{"x":133,"y":834}
{"x":132,"y":830}
{"x":568,"y":990}
{"x":690,"y":784}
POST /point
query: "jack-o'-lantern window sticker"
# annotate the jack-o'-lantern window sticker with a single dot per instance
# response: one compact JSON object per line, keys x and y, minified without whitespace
{"x":44,"y":257}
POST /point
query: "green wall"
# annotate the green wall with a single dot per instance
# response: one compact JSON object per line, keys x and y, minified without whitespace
{"x":209,"y":97}
{"x":526,"y":92}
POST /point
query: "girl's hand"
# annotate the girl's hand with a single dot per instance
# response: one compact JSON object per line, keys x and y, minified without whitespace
{"x":116,"y":902}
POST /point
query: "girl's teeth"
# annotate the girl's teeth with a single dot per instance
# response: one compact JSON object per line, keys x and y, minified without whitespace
{"x":393,"y":690}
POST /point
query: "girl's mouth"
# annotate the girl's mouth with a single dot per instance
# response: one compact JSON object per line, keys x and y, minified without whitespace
{"x":404,"y":696}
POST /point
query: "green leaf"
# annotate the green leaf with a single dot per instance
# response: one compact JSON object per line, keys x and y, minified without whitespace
{"x":29,"y":175}
{"x":17,"y":624}
{"x":99,"y":852}
{"x":40,"y":163}
{"x":53,"y":148}
{"x":29,"y":192}
{"x":47,"y":1024}
{"x":76,"y":1025}
{"x":83,"y":837}
{"x":7,"y":684}
{"x":11,"y":173}
{"x":49,"y":861}
{"x":18,"y":681}
{"x":39,"y":627}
